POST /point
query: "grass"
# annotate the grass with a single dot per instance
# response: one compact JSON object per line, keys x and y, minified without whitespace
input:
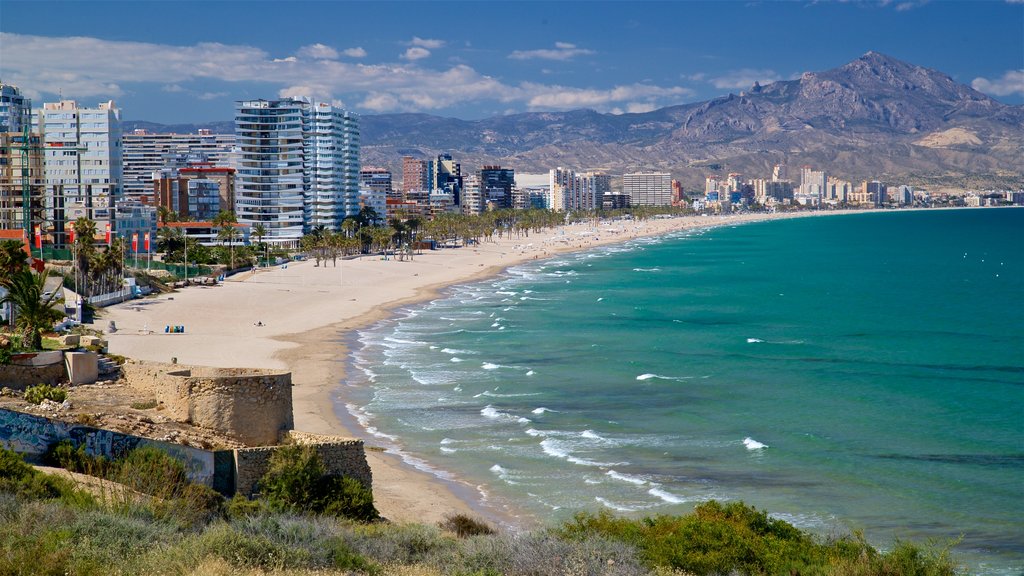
{"x":47,"y":527}
{"x":148,"y":404}
{"x":36,"y":394}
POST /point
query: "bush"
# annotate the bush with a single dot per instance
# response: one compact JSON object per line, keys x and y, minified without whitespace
{"x":65,"y":455}
{"x":464,"y":526}
{"x":36,"y":394}
{"x":297,"y":481}
{"x":152,"y":471}
{"x":17,"y":477}
{"x":727,"y":538}
{"x":144,"y":405}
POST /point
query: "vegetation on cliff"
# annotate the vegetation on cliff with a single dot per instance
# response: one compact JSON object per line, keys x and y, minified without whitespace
{"x":47,"y":526}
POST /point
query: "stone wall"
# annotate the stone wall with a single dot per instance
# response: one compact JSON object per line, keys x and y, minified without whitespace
{"x":21,"y":377}
{"x":251,"y":406}
{"x":341,"y":457}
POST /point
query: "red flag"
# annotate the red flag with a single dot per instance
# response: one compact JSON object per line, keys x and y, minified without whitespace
{"x":39,"y":238}
{"x":146,"y":240}
{"x":108,"y":234}
{"x":71,"y":235}
{"x":135,"y":242}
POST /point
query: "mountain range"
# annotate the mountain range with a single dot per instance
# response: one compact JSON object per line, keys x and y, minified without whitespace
{"x":873,"y":118}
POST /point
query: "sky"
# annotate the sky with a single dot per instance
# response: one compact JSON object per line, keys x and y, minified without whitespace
{"x":181,"y":62}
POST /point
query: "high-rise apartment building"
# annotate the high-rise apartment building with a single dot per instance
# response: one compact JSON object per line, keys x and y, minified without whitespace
{"x":592,"y":188}
{"x":146,"y":153}
{"x":473,"y":197}
{"x":83,"y":161}
{"x":445,"y":175}
{"x":377,"y":179}
{"x":298,"y":166}
{"x":648,"y":188}
{"x":496,"y":185}
{"x":813,"y":183}
{"x":15,"y":109}
{"x":414,"y":175}
{"x":331,"y":150}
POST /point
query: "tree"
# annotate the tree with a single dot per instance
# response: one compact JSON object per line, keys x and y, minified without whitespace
{"x":85,"y":236}
{"x":32,"y":311}
{"x":12,"y":257}
{"x":260,"y":231}
{"x":225,"y":221}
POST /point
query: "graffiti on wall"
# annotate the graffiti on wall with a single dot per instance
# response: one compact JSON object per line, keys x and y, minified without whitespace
{"x":33,"y":435}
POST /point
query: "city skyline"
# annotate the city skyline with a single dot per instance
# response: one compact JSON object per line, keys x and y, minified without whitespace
{"x":183,"y":61}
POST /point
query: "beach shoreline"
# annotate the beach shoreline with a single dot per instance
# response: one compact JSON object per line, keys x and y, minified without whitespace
{"x":277,"y":319}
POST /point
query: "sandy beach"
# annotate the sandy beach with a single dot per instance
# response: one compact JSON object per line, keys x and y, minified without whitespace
{"x":296,"y":317}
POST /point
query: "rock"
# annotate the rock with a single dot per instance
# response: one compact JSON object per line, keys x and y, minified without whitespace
{"x":65,"y":405}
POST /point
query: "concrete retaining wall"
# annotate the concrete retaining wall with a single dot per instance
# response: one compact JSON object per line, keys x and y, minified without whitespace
{"x":32,"y":436}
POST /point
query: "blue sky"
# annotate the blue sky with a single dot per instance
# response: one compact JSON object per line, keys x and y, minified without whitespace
{"x":189,"y":61}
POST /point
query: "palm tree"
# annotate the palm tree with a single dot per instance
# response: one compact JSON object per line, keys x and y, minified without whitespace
{"x":12,"y":257}
{"x":259,"y":231}
{"x":225,"y":220}
{"x":85,"y":236}
{"x":32,"y":311}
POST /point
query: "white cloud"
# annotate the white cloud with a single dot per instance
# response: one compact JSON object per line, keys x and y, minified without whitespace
{"x":743,"y":79}
{"x":416,"y":53}
{"x":1012,"y":83}
{"x":561,"y":51}
{"x":565,"y":98}
{"x":318,"y":52}
{"x":640,"y":107}
{"x":82,"y":67}
{"x":426,"y":43}
{"x":356,"y":52}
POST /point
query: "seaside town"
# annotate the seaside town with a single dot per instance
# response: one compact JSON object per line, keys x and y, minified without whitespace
{"x":188,"y":302}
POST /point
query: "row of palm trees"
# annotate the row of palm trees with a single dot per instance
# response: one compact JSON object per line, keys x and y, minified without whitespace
{"x":367,"y":233}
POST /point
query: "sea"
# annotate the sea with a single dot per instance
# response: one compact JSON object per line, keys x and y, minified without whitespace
{"x":859,"y":372}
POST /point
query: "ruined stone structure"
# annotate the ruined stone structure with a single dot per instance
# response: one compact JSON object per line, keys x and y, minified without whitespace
{"x":251,"y":406}
{"x":341,"y":456}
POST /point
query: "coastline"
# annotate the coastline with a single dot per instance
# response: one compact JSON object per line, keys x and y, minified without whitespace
{"x":306,"y":333}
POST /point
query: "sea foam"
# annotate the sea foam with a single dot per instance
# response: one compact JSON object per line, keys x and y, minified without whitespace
{"x":752,"y":444}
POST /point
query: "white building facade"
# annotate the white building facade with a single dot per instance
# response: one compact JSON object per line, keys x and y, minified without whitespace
{"x":146,"y":153}
{"x":648,"y":188}
{"x":298,"y":166}
{"x":83,"y":163}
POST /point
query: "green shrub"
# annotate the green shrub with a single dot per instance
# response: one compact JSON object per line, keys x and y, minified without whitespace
{"x":36,"y":394}
{"x":297,"y":481}
{"x":240,"y":507}
{"x":463,"y":526}
{"x":727,"y":538}
{"x":144,"y":405}
{"x":152,"y":471}
{"x":17,"y":477}
{"x":65,"y":455}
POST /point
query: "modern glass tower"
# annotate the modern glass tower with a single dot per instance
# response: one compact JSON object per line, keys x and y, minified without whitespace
{"x":298,"y":166}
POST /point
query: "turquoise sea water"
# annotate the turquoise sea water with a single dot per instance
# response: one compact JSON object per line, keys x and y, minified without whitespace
{"x":846,"y":372}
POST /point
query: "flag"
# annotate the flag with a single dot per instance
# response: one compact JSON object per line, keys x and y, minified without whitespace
{"x":108,"y":234}
{"x":146,"y":240}
{"x":135,"y":242}
{"x":39,"y":238}
{"x":71,"y":236}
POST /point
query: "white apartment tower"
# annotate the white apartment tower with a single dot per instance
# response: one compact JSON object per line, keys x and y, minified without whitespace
{"x":83,"y":162}
{"x":298,"y":166}
{"x":648,"y":188}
